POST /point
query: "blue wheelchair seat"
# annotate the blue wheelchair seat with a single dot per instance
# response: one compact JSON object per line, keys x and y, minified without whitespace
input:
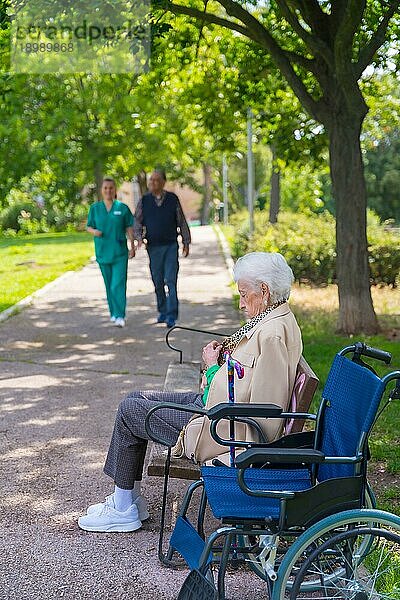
{"x":229,"y":502}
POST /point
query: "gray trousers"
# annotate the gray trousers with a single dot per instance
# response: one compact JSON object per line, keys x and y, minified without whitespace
{"x":126,"y":454}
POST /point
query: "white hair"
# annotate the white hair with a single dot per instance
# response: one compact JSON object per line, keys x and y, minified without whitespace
{"x":266,"y":267}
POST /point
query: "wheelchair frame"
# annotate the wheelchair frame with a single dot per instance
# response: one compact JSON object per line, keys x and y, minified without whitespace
{"x":314,"y":517}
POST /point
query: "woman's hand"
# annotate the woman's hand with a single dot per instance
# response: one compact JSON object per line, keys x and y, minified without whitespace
{"x":94,"y":232}
{"x":211,"y":353}
{"x":203,"y":383}
{"x":131,"y":253}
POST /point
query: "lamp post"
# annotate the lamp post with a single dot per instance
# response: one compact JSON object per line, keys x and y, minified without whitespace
{"x":225,"y":188}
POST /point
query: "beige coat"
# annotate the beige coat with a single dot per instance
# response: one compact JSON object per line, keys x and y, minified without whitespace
{"x":269,"y":353}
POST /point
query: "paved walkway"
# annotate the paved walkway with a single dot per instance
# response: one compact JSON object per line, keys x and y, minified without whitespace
{"x":63,"y":370}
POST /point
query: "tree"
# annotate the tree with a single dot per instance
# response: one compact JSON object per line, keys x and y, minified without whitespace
{"x":322,"y":49}
{"x":84,"y":126}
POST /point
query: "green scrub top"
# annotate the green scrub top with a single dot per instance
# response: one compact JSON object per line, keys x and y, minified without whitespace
{"x":111,"y":246}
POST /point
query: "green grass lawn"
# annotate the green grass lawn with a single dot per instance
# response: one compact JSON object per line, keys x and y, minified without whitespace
{"x":28,"y":263}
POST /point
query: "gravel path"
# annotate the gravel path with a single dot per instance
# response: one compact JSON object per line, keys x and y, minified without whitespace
{"x":63,"y":370}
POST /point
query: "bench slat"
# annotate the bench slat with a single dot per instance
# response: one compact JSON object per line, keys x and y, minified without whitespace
{"x":181,"y":468}
{"x":182,"y":377}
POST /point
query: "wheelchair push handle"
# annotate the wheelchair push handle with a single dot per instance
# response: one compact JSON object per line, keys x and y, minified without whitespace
{"x":381,"y":355}
{"x":360,"y":349}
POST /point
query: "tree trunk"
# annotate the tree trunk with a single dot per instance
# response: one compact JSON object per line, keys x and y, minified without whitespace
{"x":98,"y":178}
{"x":207,"y":186}
{"x":142,"y":181}
{"x":356,"y":312}
{"x":275,"y":195}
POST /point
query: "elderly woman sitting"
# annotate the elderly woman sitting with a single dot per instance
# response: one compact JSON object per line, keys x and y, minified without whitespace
{"x":269,"y":347}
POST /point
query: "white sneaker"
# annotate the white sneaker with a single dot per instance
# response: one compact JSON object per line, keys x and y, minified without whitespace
{"x":113,"y":319}
{"x":111,"y":520}
{"x":109,"y":501}
{"x":142,"y":508}
{"x":119,"y":322}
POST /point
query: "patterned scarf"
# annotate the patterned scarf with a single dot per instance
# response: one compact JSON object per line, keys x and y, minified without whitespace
{"x":230,"y":343}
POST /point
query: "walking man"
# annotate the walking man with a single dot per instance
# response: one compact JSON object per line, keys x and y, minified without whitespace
{"x":158,"y":219}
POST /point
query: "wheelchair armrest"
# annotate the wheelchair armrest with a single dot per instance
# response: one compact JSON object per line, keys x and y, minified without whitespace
{"x":169,"y":406}
{"x":225,"y":410}
{"x":241,"y":413}
{"x":277,"y":456}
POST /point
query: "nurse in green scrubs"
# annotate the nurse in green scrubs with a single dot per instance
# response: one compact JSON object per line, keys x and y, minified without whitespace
{"x":111,"y":222}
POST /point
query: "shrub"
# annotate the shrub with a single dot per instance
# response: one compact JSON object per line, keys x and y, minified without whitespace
{"x":9,"y":233}
{"x":24,"y":216}
{"x":383,"y":253}
{"x":308,"y":243}
{"x":58,"y":218}
{"x":20,"y":210}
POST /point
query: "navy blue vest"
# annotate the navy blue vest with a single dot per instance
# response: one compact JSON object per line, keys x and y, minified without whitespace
{"x":160,"y":221}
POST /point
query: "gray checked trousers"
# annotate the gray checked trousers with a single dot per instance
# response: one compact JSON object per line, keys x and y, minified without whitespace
{"x":126,"y":454}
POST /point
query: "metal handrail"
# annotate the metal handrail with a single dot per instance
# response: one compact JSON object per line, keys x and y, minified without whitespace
{"x":218,"y":333}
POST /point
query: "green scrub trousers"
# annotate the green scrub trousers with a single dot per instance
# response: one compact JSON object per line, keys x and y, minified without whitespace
{"x":112,"y":251}
{"x":115,"y":275}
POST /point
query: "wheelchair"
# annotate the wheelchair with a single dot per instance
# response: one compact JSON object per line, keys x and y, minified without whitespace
{"x":298,"y":511}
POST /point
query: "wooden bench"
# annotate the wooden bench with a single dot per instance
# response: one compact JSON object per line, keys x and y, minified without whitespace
{"x":180,"y":377}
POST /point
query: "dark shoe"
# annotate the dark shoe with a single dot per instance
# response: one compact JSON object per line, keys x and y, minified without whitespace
{"x":161,"y":318}
{"x":170,"y":323}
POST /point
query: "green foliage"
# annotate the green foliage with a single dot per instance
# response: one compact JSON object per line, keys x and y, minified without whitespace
{"x":308,"y":243}
{"x":21,"y":210}
{"x":23,"y":215}
{"x":302,"y":188}
{"x":381,"y":143}
{"x":62,"y":131}
{"x":187,"y":110}
{"x":383,"y":176}
{"x":384,"y":253}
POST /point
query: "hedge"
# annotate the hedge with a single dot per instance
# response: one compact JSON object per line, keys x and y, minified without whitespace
{"x":24,"y":216}
{"x":308,"y":244}
{"x":14,"y":216}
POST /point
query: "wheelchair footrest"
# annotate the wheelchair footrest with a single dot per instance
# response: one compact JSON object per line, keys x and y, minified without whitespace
{"x":188,"y":543}
{"x":197,"y":587}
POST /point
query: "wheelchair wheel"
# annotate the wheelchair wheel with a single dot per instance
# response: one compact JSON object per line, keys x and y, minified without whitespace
{"x":372,"y":574}
{"x":297,"y":569}
{"x":252,"y":560}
